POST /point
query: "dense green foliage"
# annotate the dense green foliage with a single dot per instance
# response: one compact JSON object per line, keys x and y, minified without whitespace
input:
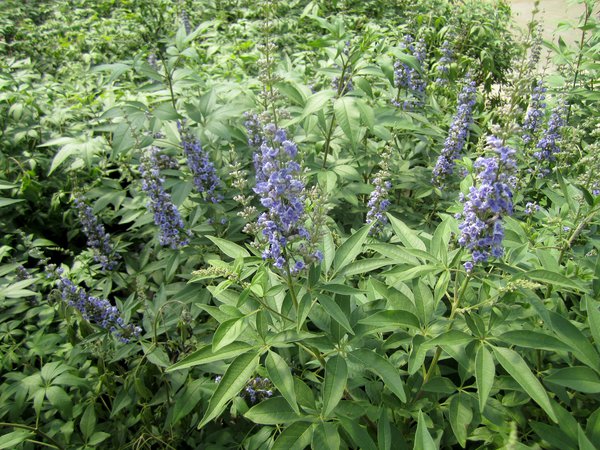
{"x":142,"y":304}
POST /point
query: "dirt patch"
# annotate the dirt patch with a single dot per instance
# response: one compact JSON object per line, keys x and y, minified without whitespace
{"x":552,"y":13}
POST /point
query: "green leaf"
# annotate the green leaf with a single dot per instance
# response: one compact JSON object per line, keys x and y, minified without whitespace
{"x":272,"y":411}
{"x":391,"y":320}
{"x":350,"y":248}
{"x":358,"y":433}
{"x":314,"y":103}
{"x":534,"y":339}
{"x":340,"y":289}
{"x":88,"y":422}
{"x":384,"y":431}
{"x":295,"y":437}
{"x":485,"y":371}
{"x":166,"y":111}
{"x":97,"y":437}
{"x":519,"y":370}
{"x":403,"y":274}
{"x":326,"y":437}
{"x":570,"y":335}
{"x":228,"y":332}
{"x":9,"y":201}
{"x":281,"y":376}
{"x":336,"y":313}
{"x":235,"y":378}
{"x":364,"y":265}
{"x":460,"y":415}
{"x":206,"y":355}
{"x":382,"y":368}
{"x":552,"y":434}
{"x":336,"y":375}
{"x":14,"y":438}
{"x":348,"y":116}
{"x":229,"y":248}
{"x":451,"y":337}
{"x":60,"y":400}
{"x":407,"y":236}
{"x":187,"y":399}
{"x":423,"y":440}
{"x":579,"y":378}
{"x":593,"y":317}
{"x":440,"y":240}
{"x":583,"y":441}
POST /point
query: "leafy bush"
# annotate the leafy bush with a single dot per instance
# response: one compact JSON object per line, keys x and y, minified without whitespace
{"x":338,"y":225}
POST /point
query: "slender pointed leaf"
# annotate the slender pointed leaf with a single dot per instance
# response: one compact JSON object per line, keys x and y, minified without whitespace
{"x":382,"y":368}
{"x":272,"y":411}
{"x":281,"y":376}
{"x":350,"y":249}
{"x":295,"y":437}
{"x":235,"y":378}
{"x":485,"y":371}
{"x":423,"y":440}
{"x":336,"y":376}
{"x":206,"y":355}
{"x":519,"y":370}
{"x":335,"y":312}
{"x":326,"y":437}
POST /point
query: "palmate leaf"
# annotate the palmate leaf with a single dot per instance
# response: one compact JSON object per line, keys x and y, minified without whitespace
{"x":235,"y":378}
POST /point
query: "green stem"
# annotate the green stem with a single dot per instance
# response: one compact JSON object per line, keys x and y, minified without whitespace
{"x":438,"y":351}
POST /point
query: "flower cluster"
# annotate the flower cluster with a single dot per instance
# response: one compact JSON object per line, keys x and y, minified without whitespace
{"x":282,"y":192}
{"x":256,"y":390}
{"x":531,"y":208}
{"x":95,"y":310}
{"x":457,"y":135}
{"x":443,"y":66}
{"x":378,"y":199}
{"x":205,"y":175}
{"x":185,"y":20}
{"x":487,"y":202}
{"x":166,"y":214}
{"x":409,"y":78}
{"x":97,"y":238}
{"x":536,"y":49}
{"x":22,"y":273}
{"x":548,"y":144}
{"x":344,"y":85}
{"x":535,"y":112}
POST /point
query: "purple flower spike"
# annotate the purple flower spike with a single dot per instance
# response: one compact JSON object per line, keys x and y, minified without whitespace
{"x":487,"y":203}
{"x":457,"y":135}
{"x":166,"y":214}
{"x":98,"y":238}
